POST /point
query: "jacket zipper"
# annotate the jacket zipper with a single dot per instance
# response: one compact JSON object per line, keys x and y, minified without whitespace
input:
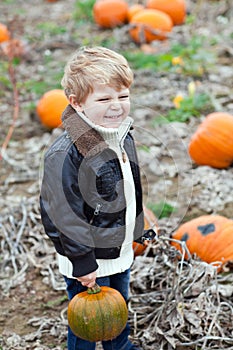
{"x":96,"y":212}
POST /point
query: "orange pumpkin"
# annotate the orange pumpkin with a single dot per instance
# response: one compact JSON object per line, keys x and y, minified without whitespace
{"x":210,"y":237}
{"x":100,"y":313}
{"x":176,"y":9}
{"x":110,"y":13}
{"x":212,"y":143}
{"x":150,"y":221}
{"x":133,"y":9}
{"x":146,"y":21}
{"x":4,"y":33}
{"x":50,"y":108}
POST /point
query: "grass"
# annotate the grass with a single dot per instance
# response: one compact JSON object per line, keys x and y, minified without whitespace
{"x":56,"y":302}
{"x":193,"y":58}
{"x":83,"y":10}
{"x":51,"y":28}
{"x":191,"y":106}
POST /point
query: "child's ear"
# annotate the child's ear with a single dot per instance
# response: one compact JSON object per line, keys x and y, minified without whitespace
{"x":74,"y":103}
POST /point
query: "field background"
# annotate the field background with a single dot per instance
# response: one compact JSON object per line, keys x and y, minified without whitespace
{"x":173,"y":305}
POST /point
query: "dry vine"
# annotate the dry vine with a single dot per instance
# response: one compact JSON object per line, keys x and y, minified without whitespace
{"x":174,"y":304}
{"x":179,"y":304}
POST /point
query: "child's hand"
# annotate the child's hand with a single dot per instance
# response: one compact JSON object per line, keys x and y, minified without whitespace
{"x":88,"y":280}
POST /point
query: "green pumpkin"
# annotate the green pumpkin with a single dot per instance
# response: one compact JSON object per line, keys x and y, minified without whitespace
{"x":97,"y":314}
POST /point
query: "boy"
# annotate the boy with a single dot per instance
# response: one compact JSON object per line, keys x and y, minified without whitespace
{"x":91,"y":195}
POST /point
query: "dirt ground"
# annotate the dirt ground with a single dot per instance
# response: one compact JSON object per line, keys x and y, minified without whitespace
{"x":33,"y":300}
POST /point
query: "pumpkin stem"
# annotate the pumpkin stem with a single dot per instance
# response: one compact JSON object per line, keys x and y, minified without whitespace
{"x":94,"y":290}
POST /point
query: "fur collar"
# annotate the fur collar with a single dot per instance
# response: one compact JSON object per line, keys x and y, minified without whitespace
{"x":87,"y":140}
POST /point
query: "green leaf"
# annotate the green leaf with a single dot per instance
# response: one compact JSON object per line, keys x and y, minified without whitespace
{"x":162,"y":209}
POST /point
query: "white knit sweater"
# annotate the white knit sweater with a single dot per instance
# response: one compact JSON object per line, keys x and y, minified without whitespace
{"x":114,"y":137}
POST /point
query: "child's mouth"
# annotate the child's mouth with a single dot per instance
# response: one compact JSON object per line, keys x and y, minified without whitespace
{"x":113,"y":116}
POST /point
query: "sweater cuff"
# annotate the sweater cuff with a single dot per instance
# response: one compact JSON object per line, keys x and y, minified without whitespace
{"x":83,"y":265}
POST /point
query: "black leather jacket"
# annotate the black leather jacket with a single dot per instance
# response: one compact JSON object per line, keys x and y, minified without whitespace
{"x":82,"y":198}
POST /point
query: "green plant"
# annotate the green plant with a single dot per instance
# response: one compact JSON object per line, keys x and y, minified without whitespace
{"x":83,"y":10}
{"x":194,"y":55}
{"x":51,"y":28}
{"x":34,"y":88}
{"x":8,"y":1}
{"x":5,"y":82}
{"x":56,"y":302}
{"x":162,"y":209}
{"x":190,"y":106}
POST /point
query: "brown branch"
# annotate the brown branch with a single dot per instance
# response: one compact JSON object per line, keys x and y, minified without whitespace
{"x":11,"y":49}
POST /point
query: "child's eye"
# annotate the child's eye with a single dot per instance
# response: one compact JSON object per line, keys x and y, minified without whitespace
{"x":103,"y":99}
{"x":124,"y":97}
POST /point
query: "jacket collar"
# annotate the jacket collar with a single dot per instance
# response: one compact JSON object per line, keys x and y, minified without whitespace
{"x":87,"y":140}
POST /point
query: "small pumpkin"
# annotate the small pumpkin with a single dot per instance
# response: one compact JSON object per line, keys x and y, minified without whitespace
{"x":100,"y":313}
{"x":110,"y":13}
{"x":4,"y":33}
{"x":50,"y":107}
{"x":150,"y":24}
{"x":138,"y":248}
{"x":176,"y":9}
{"x":210,"y":237}
{"x":212,"y":143}
{"x":150,"y":221}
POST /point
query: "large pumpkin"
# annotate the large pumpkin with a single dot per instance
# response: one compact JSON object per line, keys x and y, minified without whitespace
{"x":50,"y":108}
{"x":100,"y":313}
{"x":110,"y":13}
{"x":212,"y":143}
{"x":176,"y":9}
{"x":149,"y":24}
{"x":210,"y":237}
{"x":150,"y":221}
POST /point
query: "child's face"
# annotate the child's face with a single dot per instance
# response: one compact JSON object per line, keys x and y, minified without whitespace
{"x":106,"y":106}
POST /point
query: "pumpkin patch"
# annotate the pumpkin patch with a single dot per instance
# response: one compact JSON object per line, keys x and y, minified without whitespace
{"x":100,"y":313}
{"x":210,"y":237}
{"x":212,"y":143}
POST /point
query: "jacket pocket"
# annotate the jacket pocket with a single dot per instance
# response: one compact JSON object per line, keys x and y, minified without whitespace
{"x":106,"y":181}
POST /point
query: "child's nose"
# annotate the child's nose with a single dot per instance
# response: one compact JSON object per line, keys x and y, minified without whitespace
{"x":115,"y":104}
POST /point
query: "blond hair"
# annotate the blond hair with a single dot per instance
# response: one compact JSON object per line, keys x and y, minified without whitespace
{"x":98,"y":64}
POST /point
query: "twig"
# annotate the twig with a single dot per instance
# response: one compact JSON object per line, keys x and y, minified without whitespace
{"x":13,"y":80}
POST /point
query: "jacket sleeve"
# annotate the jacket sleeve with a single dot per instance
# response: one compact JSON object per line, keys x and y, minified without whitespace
{"x":62,"y":211}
